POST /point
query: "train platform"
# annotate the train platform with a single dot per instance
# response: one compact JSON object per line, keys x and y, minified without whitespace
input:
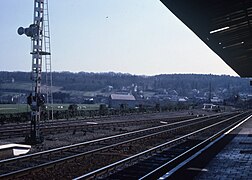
{"x":234,"y":161}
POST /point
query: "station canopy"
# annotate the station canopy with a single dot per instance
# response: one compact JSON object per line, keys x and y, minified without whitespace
{"x":224,"y":25}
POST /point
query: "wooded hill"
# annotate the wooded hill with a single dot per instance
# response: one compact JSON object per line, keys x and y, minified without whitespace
{"x":182,"y":83}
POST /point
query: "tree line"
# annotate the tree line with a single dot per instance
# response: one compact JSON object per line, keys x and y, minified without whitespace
{"x":182,"y":83}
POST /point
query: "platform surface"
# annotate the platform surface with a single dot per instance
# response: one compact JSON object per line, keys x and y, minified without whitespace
{"x":235,"y":160}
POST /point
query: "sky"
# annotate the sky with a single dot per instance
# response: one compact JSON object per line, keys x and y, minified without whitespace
{"x":139,"y":37}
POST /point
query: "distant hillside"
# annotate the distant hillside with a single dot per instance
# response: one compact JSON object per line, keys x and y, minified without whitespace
{"x":182,"y":83}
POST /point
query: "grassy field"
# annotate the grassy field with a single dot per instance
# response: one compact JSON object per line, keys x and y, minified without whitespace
{"x":19,"y":108}
{"x":80,"y":106}
{"x":13,"y":108}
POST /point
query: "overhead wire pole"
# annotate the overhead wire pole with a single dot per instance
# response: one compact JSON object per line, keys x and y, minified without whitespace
{"x":36,"y":100}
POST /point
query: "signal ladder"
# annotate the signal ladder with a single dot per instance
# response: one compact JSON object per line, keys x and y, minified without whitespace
{"x":47,"y":60}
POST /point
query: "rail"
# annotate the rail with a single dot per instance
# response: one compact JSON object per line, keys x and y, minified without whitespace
{"x":62,"y":149}
{"x":143,"y":155}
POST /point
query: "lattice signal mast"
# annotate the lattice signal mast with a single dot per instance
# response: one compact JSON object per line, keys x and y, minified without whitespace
{"x":41,"y":51}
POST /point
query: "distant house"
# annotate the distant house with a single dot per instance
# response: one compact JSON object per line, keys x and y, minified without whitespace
{"x":211,"y":107}
{"x":122,"y":101}
{"x":216,"y":100}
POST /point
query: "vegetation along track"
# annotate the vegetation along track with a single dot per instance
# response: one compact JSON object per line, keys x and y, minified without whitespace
{"x":62,"y":126}
{"x":78,"y":159}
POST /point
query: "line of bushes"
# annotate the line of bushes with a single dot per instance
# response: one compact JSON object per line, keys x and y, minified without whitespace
{"x":73,"y":112}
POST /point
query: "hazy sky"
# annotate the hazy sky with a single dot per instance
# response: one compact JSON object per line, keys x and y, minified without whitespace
{"x":132,"y":36}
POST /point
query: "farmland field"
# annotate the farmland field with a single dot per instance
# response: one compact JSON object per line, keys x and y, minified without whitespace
{"x":13,"y":108}
{"x":19,"y":108}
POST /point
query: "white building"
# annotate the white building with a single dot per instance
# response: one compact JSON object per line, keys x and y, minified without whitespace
{"x":118,"y":101}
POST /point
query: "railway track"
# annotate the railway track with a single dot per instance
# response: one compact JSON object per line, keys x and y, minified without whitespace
{"x":75,"y":160}
{"x":164,"y":159}
{"x":62,"y":126}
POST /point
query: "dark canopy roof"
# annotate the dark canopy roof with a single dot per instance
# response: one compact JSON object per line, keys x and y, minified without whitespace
{"x":224,"y":25}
